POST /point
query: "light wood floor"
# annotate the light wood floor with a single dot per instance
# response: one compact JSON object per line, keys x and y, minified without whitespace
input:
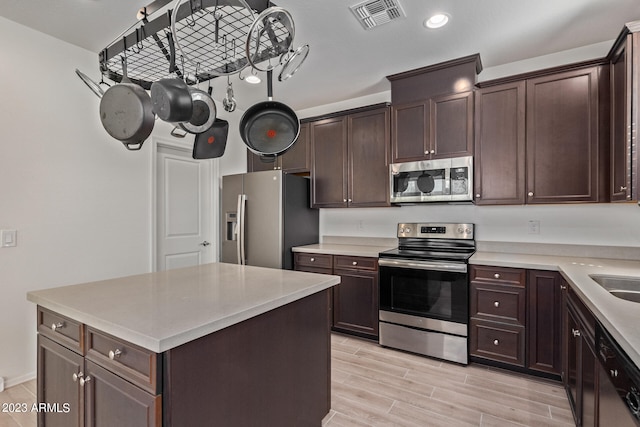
{"x":376,"y":386}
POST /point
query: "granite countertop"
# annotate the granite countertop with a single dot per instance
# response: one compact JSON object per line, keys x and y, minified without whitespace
{"x":618,"y":316}
{"x":160,"y":311}
{"x":350,"y":246}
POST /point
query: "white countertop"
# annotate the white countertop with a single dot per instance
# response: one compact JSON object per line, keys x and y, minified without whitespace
{"x":620,"y":317}
{"x":343,"y":249}
{"x":160,"y":311}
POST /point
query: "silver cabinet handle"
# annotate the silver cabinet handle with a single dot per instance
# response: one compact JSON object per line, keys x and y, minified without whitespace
{"x":344,"y":200}
{"x":205,"y":244}
{"x":350,"y":200}
{"x":433,"y":151}
{"x":530,"y":193}
{"x":496,"y":303}
{"x":614,"y":373}
{"x":563,"y":287}
{"x":114,"y":354}
{"x":623,"y":188}
{"x":575,"y":332}
{"x":497,"y":275}
{"x":496,"y":342}
{"x":84,"y":380}
{"x":312,"y":259}
{"x":354,"y":263}
{"x":478,"y":195}
{"x":426,"y":152}
{"x":58,"y":325}
{"x":77,"y":376}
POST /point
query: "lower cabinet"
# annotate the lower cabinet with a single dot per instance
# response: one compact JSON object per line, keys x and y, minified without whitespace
{"x":580,"y":366}
{"x":355,"y":299}
{"x":516,"y":318}
{"x":86,"y":393}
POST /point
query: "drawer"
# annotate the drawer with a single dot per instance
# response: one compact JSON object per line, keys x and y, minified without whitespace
{"x":500,"y":303}
{"x":135,"y":364}
{"x":497,"y":341}
{"x":504,"y":275}
{"x":313,"y":260}
{"x":61,"y":329}
{"x":355,"y":262}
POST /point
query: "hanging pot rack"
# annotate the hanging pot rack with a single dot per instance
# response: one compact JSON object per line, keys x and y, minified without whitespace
{"x":148,"y":56}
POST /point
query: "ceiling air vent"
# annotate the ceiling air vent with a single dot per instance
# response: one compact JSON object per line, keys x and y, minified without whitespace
{"x":374,"y":13}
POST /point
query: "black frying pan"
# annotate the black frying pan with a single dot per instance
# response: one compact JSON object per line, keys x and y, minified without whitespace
{"x":269,"y":128}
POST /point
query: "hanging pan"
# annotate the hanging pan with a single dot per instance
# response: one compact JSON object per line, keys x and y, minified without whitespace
{"x":212,"y":142}
{"x":126,"y":112}
{"x":269,"y":128}
{"x":95,"y":87}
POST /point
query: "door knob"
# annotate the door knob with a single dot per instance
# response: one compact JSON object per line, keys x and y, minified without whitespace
{"x":205,"y":243}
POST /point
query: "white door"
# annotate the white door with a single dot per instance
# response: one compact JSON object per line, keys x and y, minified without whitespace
{"x":184,"y":214}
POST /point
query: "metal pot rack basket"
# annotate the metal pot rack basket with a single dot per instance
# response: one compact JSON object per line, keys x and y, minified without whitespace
{"x":147,"y":52}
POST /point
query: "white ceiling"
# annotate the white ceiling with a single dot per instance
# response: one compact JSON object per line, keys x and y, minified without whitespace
{"x":346,"y":61}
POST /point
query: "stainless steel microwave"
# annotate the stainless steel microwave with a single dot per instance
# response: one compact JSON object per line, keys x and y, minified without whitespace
{"x":441,"y":180}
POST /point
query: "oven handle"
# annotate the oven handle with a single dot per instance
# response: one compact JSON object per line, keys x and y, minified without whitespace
{"x":424,"y":265}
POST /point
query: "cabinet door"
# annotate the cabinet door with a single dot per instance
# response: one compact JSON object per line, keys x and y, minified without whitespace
{"x":254,"y":164}
{"x":571,"y":363}
{"x":410,"y":132}
{"x":544,"y":323}
{"x":329,"y":166}
{"x":562,"y":137}
{"x":621,"y":90}
{"x":355,"y":302}
{"x":369,"y":158}
{"x":451,"y":125}
{"x":297,"y":159}
{"x":112,"y":401}
{"x":56,"y":385}
{"x":500,"y":144}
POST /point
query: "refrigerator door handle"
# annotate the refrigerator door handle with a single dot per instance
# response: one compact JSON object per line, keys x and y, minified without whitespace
{"x":240,"y":227}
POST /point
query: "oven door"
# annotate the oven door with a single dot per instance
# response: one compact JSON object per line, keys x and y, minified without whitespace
{"x":428,"y":289}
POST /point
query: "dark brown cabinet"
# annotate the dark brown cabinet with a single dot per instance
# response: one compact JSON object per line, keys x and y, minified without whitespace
{"x":500,"y":144}
{"x":68,"y":373}
{"x":563,"y":157}
{"x":543,"y":137}
{"x":440,"y":127}
{"x":296,"y":160}
{"x":350,"y":159}
{"x":516,"y":318}
{"x":544,"y":321}
{"x":625,"y":78}
{"x":579,"y":365}
{"x":355,"y":300}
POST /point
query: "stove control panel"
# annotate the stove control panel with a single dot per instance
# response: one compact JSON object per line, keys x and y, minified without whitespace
{"x":435,"y":231}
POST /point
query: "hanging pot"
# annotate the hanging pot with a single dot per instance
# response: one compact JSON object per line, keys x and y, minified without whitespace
{"x":204,"y":112}
{"x":426,"y":183}
{"x":170,"y":96}
{"x":269,"y":128}
{"x":212,"y":142}
{"x":126,"y":112}
{"x":95,"y":87}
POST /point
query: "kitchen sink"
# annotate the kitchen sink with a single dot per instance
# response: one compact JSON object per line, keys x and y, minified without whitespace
{"x":627,"y":288}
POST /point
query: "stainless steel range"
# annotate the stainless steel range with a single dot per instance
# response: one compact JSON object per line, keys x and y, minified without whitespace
{"x":424,"y":290}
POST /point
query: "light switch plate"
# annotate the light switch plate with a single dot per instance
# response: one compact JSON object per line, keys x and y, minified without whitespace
{"x":8,"y":238}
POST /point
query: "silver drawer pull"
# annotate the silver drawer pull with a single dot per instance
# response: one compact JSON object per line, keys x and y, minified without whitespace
{"x":496,"y":303}
{"x":496,"y":342}
{"x":575,"y":332}
{"x":77,"y":376}
{"x":497,"y":275}
{"x":113,"y":354}
{"x":354,"y":263}
{"x":84,"y":380}
{"x":312,"y":259}
{"x":58,"y":325}
{"x":614,"y":373}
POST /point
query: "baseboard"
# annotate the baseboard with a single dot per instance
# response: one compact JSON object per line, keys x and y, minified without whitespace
{"x":10,"y":382}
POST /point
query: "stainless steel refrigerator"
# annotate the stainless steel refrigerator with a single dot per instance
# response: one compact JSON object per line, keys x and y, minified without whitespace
{"x":265,"y":214}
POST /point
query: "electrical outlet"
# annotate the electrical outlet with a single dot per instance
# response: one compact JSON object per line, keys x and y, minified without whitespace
{"x":8,"y":238}
{"x":534,"y":227}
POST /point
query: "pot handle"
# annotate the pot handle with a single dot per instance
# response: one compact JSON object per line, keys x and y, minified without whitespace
{"x":133,"y":146}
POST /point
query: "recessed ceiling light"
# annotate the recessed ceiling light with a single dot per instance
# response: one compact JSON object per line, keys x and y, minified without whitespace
{"x":436,"y":21}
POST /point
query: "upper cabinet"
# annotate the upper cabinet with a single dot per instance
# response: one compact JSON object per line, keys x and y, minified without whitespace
{"x":625,"y":88}
{"x":554,"y":125}
{"x":295,"y":160}
{"x":439,"y":127}
{"x":432,"y":111}
{"x":350,"y":159}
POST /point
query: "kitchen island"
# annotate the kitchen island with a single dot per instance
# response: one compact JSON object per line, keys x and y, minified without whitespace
{"x":216,"y":344}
